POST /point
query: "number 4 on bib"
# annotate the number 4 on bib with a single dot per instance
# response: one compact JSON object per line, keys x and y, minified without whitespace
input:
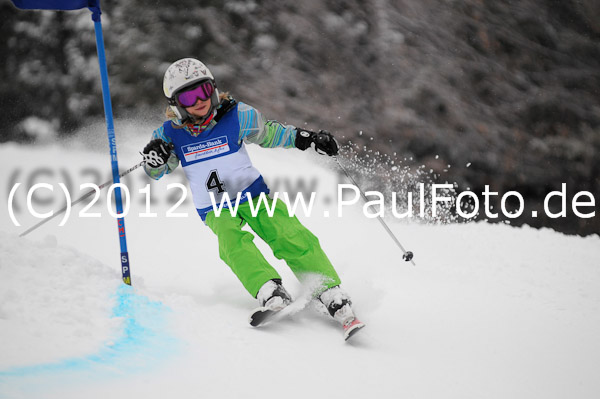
{"x":214,"y":182}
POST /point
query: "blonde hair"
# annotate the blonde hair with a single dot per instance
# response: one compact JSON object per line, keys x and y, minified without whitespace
{"x":170,"y":114}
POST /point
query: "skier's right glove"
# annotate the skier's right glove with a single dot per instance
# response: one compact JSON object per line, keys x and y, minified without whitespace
{"x":157,"y":152}
{"x":323,"y":141}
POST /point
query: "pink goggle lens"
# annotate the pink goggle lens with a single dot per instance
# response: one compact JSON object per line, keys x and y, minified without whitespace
{"x":203,"y":92}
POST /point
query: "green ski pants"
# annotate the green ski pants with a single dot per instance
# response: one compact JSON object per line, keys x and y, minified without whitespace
{"x":286,"y":236}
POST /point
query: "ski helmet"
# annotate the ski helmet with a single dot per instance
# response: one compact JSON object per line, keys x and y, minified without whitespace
{"x":182,"y":74}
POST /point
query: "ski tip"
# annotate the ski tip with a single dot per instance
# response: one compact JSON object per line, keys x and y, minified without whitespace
{"x":260,"y":316}
{"x":353,"y":328}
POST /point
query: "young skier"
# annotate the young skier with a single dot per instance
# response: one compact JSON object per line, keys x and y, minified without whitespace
{"x":206,"y":133}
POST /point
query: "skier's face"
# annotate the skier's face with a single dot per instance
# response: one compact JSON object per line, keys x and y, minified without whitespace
{"x":200,"y":109}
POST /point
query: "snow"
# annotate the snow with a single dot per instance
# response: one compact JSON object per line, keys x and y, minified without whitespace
{"x":489,"y":311}
{"x":52,"y":294}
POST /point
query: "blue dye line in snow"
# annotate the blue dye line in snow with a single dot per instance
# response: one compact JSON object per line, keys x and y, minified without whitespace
{"x":143,"y":343}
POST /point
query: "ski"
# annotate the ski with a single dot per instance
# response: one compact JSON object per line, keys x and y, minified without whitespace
{"x":352,"y":327}
{"x":261,"y":315}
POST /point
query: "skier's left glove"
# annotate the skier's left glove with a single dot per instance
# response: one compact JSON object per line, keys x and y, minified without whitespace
{"x":323,"y":141}
{"x":157,"y":152}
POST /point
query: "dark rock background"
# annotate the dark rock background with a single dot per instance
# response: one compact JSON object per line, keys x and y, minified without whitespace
{"x":509,"y":88}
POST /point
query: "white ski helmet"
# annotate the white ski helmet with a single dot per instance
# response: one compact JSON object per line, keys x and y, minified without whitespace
{"x":182,"y":74}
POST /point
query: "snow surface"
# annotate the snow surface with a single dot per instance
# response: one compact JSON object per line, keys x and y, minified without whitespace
{"x":490,"y":311}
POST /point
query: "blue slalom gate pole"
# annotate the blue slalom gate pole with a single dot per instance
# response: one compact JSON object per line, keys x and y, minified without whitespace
{"x":112,"y":142}
{"x":94,"y":7}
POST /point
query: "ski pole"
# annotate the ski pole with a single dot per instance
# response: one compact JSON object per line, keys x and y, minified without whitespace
{"x":78,"y":200}
{"x":406,"y":255}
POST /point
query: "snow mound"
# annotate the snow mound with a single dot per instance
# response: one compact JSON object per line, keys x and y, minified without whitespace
{"x":50,"y":294}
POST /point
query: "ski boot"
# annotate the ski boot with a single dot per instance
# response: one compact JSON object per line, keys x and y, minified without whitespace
{"x":338,"y":305}
{"x":272,"y":298}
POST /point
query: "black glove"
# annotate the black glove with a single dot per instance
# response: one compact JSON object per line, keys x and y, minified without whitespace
{"x":157,"y":152}
{"x":324,"y":142}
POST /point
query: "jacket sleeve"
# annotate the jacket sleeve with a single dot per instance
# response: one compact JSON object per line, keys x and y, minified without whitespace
{"x":172,"y":163}
{"x":256,"y":129}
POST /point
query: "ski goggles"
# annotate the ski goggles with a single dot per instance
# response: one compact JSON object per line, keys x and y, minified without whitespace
{"x":202,"y":91}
